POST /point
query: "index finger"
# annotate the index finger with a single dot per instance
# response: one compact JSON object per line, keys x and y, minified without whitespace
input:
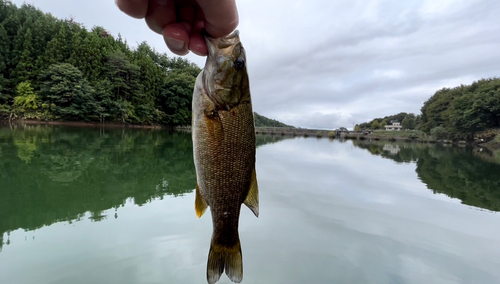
{"x":134,"y":8}
{"x":221,"y":16}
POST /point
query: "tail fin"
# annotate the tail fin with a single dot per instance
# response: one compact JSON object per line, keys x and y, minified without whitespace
{"x":222,"y":258}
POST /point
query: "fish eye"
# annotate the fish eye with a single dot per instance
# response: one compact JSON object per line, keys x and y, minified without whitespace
{"x":239,"y":64}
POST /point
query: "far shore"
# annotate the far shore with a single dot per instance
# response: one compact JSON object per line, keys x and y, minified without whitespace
{"x":84,"y":124}
{"x":392,"y":136}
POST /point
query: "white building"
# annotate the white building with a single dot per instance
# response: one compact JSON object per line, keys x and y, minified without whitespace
{"x":395,"y":126}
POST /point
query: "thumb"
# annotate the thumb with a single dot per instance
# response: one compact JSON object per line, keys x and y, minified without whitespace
{"x":221,"y":16}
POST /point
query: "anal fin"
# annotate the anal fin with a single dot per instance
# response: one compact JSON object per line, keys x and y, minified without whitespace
{"x":252,"y":199}
{"x":200,"y":205}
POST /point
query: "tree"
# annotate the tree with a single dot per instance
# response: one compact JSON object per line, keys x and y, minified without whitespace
{"x":175,"y":98}
{"x":4,"y":98}
{"x":58,"y":50}
{"x":262,"y":121}
{"x":26,"y":102}
{"x":375,"y":125}
{"x":67,"y":93}
{"x":141,"y":86}
{"x":357,"y":128}
{"x":409,"y":122}
{"x":90,"y":54}
{"x":383,"y":124}
{"x":4,"y":50}
{"x":25,"y":68}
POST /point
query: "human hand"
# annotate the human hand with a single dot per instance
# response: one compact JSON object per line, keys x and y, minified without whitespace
{"x":181,"y":21}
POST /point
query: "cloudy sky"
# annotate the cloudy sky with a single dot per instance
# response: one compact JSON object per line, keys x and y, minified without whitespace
{"x":332,"y":63}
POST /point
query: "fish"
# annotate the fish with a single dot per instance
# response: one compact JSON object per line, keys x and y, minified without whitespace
{"x":223,"y":134}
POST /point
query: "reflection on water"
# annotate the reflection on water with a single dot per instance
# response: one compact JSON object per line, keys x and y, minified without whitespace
{"x":458,"y":172}
{"x":54,"y":174}
{"x":83,"y":205}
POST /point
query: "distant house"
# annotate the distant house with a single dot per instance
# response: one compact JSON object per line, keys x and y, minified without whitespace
{"x":396,"y":126}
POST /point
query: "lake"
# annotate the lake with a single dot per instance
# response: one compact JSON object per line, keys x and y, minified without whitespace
{"x":90,"y":205}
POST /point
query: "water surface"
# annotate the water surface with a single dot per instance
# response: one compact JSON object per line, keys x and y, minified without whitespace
{"x":84,"y":205}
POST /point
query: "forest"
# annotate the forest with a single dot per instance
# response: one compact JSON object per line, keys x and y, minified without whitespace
{"x":407,"y":120}
{"x":262,"y":121}
{"x":54,"y":69}
{"x":453,"y":113}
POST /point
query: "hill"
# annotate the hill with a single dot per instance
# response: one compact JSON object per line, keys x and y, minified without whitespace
{"x":407,"y":120}
{"x":262,"y":121}
{"x":54,"y":69}
{"x":463,"y":111}
{"x":459,"y":113}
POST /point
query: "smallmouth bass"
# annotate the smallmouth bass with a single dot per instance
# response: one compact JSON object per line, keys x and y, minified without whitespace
{"x":224,"y":151}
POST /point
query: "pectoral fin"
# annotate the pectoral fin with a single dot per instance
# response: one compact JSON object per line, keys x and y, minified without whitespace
{"x":252,"y":200}
{"x":200,"y":205}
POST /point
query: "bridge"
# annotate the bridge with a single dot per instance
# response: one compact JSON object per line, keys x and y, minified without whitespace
{"x":300,"y":132}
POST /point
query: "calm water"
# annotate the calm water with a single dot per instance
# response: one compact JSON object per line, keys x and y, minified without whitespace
{"x":81,"y":205}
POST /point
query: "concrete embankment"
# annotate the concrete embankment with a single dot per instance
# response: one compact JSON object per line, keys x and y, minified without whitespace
{"x":301,"y":132}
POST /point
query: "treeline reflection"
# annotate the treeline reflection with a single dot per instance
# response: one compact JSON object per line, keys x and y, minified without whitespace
{"x":54,"y":174}
{"x":469,"y":174}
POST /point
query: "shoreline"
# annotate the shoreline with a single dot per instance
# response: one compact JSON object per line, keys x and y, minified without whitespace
{"x":313,"y":133}
{"x":84,"y":124}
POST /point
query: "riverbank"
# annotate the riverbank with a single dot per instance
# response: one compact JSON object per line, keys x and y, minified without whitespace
{"x":83,"y":124}
{"x":487,"y":139}
{"x":493,"y":145}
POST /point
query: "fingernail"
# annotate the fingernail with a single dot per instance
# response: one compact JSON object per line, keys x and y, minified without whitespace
{"x":197,"y":53}
{"x":174,"y":43}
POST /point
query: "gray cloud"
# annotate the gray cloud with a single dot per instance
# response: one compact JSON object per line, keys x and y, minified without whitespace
{"x":326,"y":64}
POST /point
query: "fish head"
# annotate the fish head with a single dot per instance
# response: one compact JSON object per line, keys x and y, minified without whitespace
{"x":225,"y":76}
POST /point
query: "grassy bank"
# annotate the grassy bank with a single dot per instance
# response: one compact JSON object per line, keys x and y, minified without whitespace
{"x":405,"y":135}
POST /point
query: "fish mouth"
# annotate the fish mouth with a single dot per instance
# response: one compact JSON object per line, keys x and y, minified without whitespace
{"x":218,"y":67}
{"x":214,"y":45}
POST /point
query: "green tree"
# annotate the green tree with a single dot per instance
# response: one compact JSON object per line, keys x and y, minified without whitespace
{"x":4,"y":50}
{"x":25,"y":69}
{"x":383,"y":124}
{"x":357,"y":128}
{"x":67,"y":93}
{"x":175,"y":98}
{"x":375,"y":125}
{"x":58,"y":50}
{"x":90,"y":54}
{"x":436,"y":110}
{"x":131,"y":86}
{"x":26,"y":102}
{"x":409,"y":122}
{"x":440,"y":133}
{"x":4,"y":98}
{"x":6,"y":9}
{"x":125,"y":85}
{"x":262,"y":121}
